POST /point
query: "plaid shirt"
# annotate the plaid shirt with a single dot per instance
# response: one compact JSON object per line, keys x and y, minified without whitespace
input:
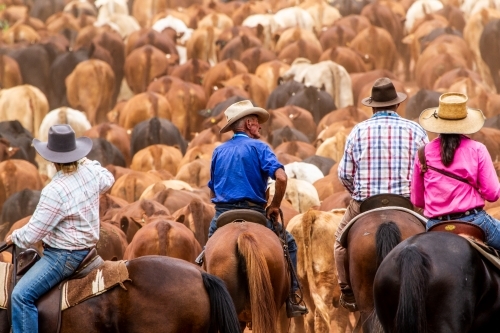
{"x":67,"y":215}
{"x":379,"y":155}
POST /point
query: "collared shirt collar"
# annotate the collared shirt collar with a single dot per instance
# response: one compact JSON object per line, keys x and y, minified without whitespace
{"x":385,"y":113}
{"x":240,"y":134}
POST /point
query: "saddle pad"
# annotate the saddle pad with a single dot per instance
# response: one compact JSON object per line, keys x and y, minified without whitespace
{"x":107,"y":276}
{"x":5,"y":281}
{"x":483,"y":250}
{"x":343,"y":237}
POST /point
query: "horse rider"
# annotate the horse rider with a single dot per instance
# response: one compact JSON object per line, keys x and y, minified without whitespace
{"x":460,"y":174}
{"x":239,"y":173}
{"x":378,"y":158}
{"x":66,"y":220}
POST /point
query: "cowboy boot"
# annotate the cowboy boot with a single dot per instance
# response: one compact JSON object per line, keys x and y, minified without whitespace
{"x":347,"y":299}
{"x":293,"y":307}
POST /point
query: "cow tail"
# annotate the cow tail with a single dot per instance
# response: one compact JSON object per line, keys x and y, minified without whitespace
{"x":130,"y":186}
{"x":163,"y":229}
{"x":148,"y":53}
{"x":223,"y":316}
{"x":308,"y":220}
{"x":264,"y":312}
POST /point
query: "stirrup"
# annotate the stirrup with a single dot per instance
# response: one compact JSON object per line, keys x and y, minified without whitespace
{"x":294,"y":308}
{"x":351,"y":305}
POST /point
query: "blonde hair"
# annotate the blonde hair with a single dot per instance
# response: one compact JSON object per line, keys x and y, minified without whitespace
{"x":68,"y":167}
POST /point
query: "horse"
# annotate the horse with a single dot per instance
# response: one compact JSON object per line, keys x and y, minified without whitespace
{"x":249,"y":258}
{"x":369,"y":240}
{"x":163,"y":295}
{"x":437,"y":282}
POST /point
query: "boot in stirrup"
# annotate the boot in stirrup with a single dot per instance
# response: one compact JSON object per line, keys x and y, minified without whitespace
{"x":294,"y":308}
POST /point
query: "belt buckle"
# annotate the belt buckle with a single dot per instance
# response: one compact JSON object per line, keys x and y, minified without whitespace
{"x":467,"y":213}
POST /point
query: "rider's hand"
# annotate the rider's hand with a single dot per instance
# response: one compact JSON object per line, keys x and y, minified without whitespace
{"x":273,"y":214}
{"x":8,"y":240}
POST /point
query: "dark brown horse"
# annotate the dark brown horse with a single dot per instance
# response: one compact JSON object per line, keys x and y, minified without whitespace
{"x":164,"y":295}
{"x":248,"y":257}
{"x":369,"y":240}
{"x":437,"y":282}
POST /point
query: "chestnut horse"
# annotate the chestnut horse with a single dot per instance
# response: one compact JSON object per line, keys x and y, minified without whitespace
{"x":437,"y":282}
{"x":163,"y":295}
{"x":248,"y":257}
{"x":369,"y":240}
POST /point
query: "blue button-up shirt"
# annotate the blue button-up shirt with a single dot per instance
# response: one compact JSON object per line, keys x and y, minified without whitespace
{"x":240,"y":169}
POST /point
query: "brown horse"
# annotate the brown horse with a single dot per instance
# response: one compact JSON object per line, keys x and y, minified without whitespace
{"x":369,"y":240}
{"x":248,"y":257}
{"x":163,"y":295}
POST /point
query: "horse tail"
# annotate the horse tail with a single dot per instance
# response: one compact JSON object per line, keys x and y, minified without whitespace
{"x":321,"y":308}
{"x":414,"y":274}
{"x":264,"y":312}
{"x":223,"y":316}
{"x":387,"y":237}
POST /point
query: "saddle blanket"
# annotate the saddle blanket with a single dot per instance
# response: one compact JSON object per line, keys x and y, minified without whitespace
{"x":98,"y":281}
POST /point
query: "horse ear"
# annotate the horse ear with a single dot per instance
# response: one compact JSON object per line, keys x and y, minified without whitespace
{"x":124,"y":224}
{"x":181,"y":218}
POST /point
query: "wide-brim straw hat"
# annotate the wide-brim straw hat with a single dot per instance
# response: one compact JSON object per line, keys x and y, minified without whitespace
{"x":62,"y":145}
{"x":452,"y":116}
{"x":383,"y":94}
{"x":241,"y":109}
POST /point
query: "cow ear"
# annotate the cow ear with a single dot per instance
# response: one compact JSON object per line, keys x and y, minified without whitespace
{"x":124,"y":224}
{"x":180,"y":218}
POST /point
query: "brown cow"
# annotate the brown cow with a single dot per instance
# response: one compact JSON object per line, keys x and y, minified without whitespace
{"x":255,"y":56}
{"x":185,"y":99}
{"x":299,"y":149}
{"x":196,"y":173}
{"x":202,"y":46}
{"x":10,"y":74}
{"x":352,"y":61}
{"x":143,"y":65}
{"x":131,"y":185}
{"x":335,"y":201}
{"x":338,"y":35}
{"x":174,"y":199}
{"x":252,"y":84}
{"x":359,"y":80}
{"x":165,"y":238}
{"x":219,"y":96}
{"x":271,"y":71}
{"x":16,"y":175}
{"x":143,"y":107}
{"x":112,"y":242}
{"x":237,"y":46}
{"x":378,"y":43}
{"x":108,"y":202}
{"x":224,"y":70}
{"x":115,"y":134}
{"x":292,"y":35}
{"x":329,"y":185}
{"x":174,"y":184}
{"x":427,"y":73}
{"x":301,"y":119}
{"x":152,"y":37}
{"x":197,"y":216}
{"x":192,"y":71}
{"x":90,"y":88}
{"x":157,"y":157}
{"x":357,"y":23}
{"x":302,"y":48}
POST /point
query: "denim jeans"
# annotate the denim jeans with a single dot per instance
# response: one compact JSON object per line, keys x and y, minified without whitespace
{"x":490,"y":226}
{"x":292,"y":246}
{"x":55,"y":266}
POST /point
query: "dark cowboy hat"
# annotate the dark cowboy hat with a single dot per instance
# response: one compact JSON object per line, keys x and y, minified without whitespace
{"x":62,"y":145}
{"x":383,"y":94}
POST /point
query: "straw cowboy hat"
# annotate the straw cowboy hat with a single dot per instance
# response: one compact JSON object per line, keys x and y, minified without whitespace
{"x":383,"y":94}
{"x":62,"y":145}
{"x":452,"y":116}
{"x":241,"y":109}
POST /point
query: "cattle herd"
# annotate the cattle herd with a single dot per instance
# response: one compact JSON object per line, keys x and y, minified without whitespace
{"x":149,"y":80}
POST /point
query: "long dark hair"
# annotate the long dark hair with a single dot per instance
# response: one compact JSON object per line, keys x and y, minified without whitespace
{"x":449,"y":144}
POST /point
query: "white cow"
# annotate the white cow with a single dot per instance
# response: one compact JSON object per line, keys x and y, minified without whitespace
{"x":294,"y":17}
{"x":300,"y":193}
{"x":121,"y":23}
{"x":418,"y":10}
{"x":303,"y":171}
{"x":329,"y":74}
{"x":471,"y":7}
{"x":109,"y":7}
{"x":176,"y":24}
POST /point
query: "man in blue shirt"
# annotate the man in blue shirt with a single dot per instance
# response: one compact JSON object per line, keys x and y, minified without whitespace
{"x":239,"y":173}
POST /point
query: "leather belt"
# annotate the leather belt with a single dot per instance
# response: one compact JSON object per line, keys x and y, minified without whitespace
{"x":456,"y":216}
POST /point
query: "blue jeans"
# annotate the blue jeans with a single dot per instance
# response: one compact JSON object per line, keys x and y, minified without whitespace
{"x":55,"y":266}
{"x":292,"y":246}
{"x":490,"y":226}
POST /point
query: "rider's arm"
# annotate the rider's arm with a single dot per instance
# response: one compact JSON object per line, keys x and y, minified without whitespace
{"x":417,"y":185}
{"x":487,"y":177}
{"x":279,"y":193}
{"x":106,"y":179}
{"x":347,"y":168}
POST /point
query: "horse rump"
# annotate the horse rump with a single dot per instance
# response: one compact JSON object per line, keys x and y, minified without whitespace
{"x":223,"y":317}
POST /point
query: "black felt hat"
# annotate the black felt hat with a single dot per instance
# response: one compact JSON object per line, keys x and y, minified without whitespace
{"x":383,"y":94}
{"x":62,"y":145}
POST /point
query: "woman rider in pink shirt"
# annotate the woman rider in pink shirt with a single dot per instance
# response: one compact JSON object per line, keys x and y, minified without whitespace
{"x":442,"y":196}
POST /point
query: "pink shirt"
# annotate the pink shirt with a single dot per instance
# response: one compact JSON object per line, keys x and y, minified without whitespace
{"x":440,"y":195}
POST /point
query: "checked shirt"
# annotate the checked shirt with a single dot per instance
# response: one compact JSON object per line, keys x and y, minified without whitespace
{"x":379,"y":156}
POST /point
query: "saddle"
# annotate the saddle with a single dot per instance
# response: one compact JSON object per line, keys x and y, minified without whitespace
{"x":384,"y":200}
{"x":241,"y":215}
{"x":49,"y":305}
{"x":461,"y":228}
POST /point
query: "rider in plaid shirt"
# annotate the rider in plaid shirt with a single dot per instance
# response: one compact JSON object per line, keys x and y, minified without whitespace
{"x":378,"y":158}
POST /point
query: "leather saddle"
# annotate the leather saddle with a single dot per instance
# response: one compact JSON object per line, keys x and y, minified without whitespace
{"x":384,"y":200}
{"x":49,"y":305}
{"x":241,"y":215}
{"x":461,"y":228}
